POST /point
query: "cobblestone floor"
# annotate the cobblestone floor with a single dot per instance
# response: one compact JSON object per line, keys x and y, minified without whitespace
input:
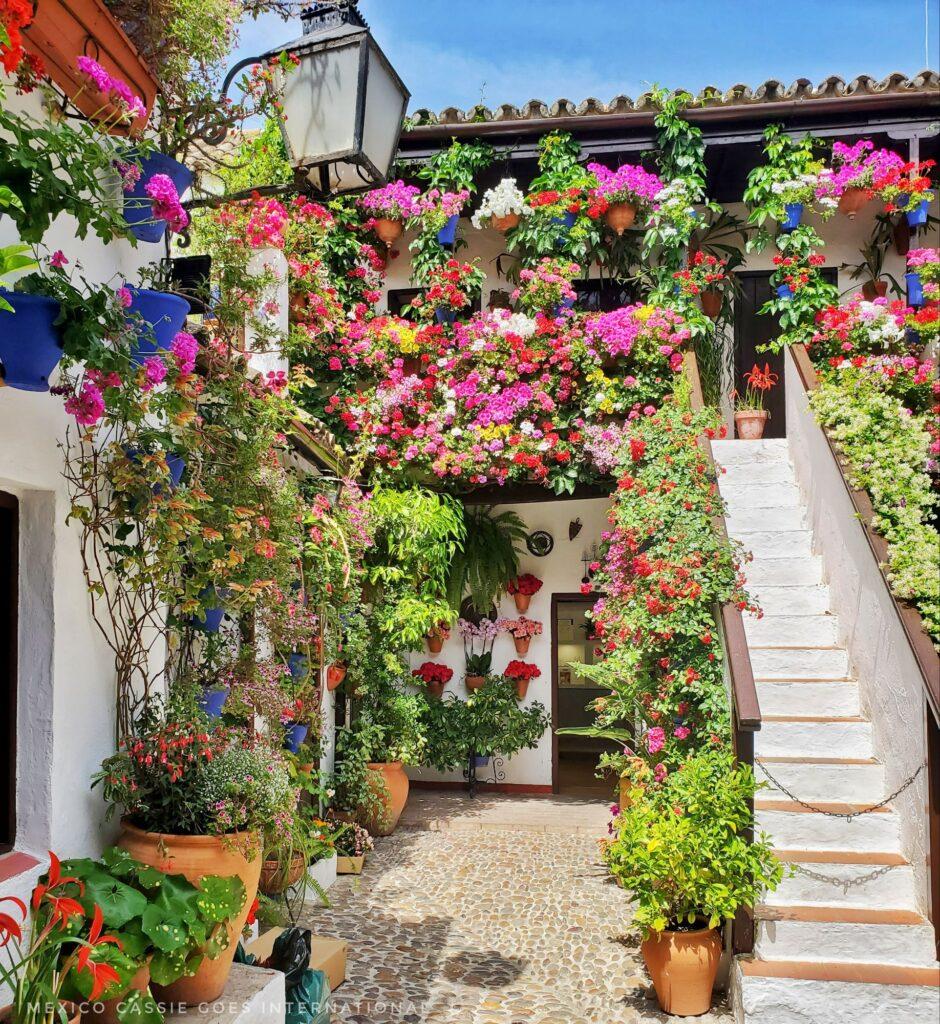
{"x":488,"y":925}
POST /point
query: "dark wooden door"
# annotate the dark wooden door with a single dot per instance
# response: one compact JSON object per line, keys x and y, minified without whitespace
{"x":752,"y":330}
{"x":9,"y":635}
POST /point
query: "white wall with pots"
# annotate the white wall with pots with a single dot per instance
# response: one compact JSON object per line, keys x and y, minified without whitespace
{"x":560,"y":573}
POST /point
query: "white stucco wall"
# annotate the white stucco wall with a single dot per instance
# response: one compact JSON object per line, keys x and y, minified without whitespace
{"x":561,"y":573}
{"x":890,"y":683}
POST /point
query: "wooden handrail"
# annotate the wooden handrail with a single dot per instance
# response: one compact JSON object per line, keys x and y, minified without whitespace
{"x":922,"y":647}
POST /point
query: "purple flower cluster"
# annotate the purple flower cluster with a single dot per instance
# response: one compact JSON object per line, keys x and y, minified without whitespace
{"x":166,"y":202}
{"x":630,"y":183}
{"x":857,"y":166}
{"x":394,"y":201}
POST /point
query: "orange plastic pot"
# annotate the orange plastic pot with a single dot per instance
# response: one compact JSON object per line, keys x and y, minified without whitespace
{"x":711,"y":304}
{"x":195,"y":857}
{"x":522,"y":644}
{"x":522,"y":602}
{"x":750,"y":423}
{"x":620,"y":216}
{"x":507,"y":223}
{"x":474,"y":682}
{"x":683,"y":966}
{"x":390,"y":784}
{"x":852,"y":200}
{"x":335,"y":674}
{"x":389,"y":231}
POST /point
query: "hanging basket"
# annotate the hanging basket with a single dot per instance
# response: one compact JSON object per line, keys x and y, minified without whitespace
{"x":157,"y":317}
{"x":30,"y":341}
{"x":138,"y":206}
{"x":852,"y":200}
{"x":388,"y":230}
{"x":620,"y":216}
{"x":504,"y":224}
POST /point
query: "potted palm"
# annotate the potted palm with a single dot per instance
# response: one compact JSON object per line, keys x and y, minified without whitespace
{"x":681,"y":851}
{"x":750,"y":416}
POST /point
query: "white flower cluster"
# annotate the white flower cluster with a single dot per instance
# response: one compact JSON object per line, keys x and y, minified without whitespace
{"x":881,"y":326}
{"x":504,"y":199}
{"x":514,"y":323}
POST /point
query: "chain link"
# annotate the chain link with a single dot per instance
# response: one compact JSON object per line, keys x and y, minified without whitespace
{"x":843,"y":883}
{"x":848,"y":815}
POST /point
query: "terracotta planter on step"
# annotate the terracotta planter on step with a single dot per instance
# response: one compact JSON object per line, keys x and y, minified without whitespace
{"x":683,"y":966}
{"x":390,"y":783}
{"x":194,"y":857}
{"x":109,"y":1012}
{"x":749,"y":423}
{"x":507,"y":223}
{"x":620,"y":216}
{"x":350,"y":865}
{"x":522,"y":645}
{"x":474,"y":682}
{"x":711,"y":304}
{"x":389,"y":231}
{"x":335,"y":674}
{"x":277,"y":877}
{"x":852,"y":200}
{"x":522,"y":601}
{"x":872,"y":290}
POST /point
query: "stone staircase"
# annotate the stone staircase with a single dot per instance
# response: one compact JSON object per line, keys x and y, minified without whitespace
{"x":823,"y":953}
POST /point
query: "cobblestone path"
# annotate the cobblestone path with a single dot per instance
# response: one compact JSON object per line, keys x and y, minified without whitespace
{"x":488,"y":922}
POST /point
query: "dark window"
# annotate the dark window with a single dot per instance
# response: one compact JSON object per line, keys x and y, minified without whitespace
{"x":602,"y":295}
{"x":9,"y":603}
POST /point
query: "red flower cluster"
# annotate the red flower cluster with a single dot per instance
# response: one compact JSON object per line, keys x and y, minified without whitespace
{"x":703,"y":273}
{"x":525,"y":584}
{"x":795,"y":272}
{"x":569,"y":200}
{"x":908,"y":180}
{"x":174,"y":748}
{"x":522,"y":670}
{"x":430,"y":672}
{"x":15,"y":16}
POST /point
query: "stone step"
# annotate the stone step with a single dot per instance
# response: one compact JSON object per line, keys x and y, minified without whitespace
{"x":839,"y":700}
{"x":793,"y":600}
{"x":785,"y":572}
{"x":765,"y":544}
{"x":814,"y":781}
{"x":804,"y":737}
{"x":799,"y":662}
{"x":769,"y":449}
{"x":791,"y":630}
{"x":750,"y":520}
{"x":807,"y":992}
{"x":840,"y":934}
{"x":740,"y":497}
{"x":740,"y":474}
{"x":868,"y":833}
{"x":893,"y":886}
{"x":252,"y":995}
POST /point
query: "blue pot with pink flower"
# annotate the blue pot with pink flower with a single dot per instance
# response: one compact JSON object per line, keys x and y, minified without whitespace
{"x":157,"y":317}
{"x":294,"y":736}
{"x":915,"y":288}
{"x":30,"y":340}
{"x":147,"y":199}
{"x":448,"y":233}
{"x":784,"y":291}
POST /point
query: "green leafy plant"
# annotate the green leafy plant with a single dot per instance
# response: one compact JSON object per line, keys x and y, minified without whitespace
{"x":488,"y":557}
{"x":457,"y":167}
{"x":12,"y":259}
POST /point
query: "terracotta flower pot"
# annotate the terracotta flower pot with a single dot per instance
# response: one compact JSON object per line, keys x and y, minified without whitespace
{"x":436,"y":689}
{"x":195,"y":857}
{"x":507,"y":223}
{"x":6,"y":1014}
{"x":711,"y":304}
{"x":620,"y":216}
{"x":335,"y":674}
{"x":390,"y":783}
{"x":521,"y":687}
{"x":109,"y":1012}
{"x":750,"y":423}
{"x":474,"y":682}
{"x":901,"y":233}
{"x":277,"y":877}
{"x":851,"y":201}
{"x":350,"y":865}
{"x":389,"y":231}
{"x":683,"y":966}
{"x":872,"y":290}
{"x":435,"y":644}
{"x":522,"y":601}
{"x":522,"y":644}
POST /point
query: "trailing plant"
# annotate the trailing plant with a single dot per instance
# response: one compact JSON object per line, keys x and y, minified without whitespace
{"x":487,"y":558}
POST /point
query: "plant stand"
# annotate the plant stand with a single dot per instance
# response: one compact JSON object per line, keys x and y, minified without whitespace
{"x":498,"y":766}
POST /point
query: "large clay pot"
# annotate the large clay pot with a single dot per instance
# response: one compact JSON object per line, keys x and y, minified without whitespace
{"x":620,"y":216}
{"x":711,"y":304}
{"x":683,"y":966}
{"x":507,"y":223}
{"x":195,"y":857}
{"x":435,"y":643}
{"x":277,"y":877}
{"x":390,"y":783}
{"x":750,"y":423}
{"x":522,"y":644}
{"x":389,"y":231}
{"x":872,"y":290}
{"x":521,"y":687}
{"x":852,"y":200}
{"x":522,"y":601}
{"x":6,"y":1014}
{"x":108,"y":1014}
{"x":474,"y":682}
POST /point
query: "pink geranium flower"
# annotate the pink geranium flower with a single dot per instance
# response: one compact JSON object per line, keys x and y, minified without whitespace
{"x":166,"y":202}
{"x":87,"y":406}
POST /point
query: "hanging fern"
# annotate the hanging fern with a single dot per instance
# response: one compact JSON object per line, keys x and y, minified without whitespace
{"x":488,"y":560}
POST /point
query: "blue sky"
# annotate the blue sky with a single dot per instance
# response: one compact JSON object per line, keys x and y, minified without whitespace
{"x":455,"y":53}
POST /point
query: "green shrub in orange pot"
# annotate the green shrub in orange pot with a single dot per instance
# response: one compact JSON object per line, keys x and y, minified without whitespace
{"x":681,"y":852}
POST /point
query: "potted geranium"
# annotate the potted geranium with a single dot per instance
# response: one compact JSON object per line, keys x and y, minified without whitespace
{"x":521,"y":673}
{"x":627,"y":191}
{"x":855,"y":169}
{"x":521,"y":630}
{"x":440,"y":212}
{"x":522,"y":589}
{"x":750,"y":416}
{"x":502,"y":207}
{"x":703,"y":278}
{"x":437,"y":637}
{"x":682,"y":852}
{"x":352,"y":844}
{"x":435,"y":677}
{"x":389,"y":207}
{"x":923,"y":267}
{"x":452,"y":287}
{"x":478,"y":662}
{"x":907,"y":189}
{"x":547,"y":287}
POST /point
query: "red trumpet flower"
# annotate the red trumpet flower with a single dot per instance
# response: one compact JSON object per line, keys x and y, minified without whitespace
{"x":103,"y":975}
{"x":10,"y":928}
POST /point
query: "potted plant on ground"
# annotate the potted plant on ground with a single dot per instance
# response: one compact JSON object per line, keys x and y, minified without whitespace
{"x":523,"y":588}
{"x":435,"y":677}
{"x":521,"y":630}
{"x":502,"y":207}
{"x":478,"y":639}
{"x":389,"y":207}
{"x":681,"y":851}
{"x":521,"y":673}
{"x":493,"y":723}
{"x":750,"y":416}
{"x":353,"y":843}
{"x":626,"y":192}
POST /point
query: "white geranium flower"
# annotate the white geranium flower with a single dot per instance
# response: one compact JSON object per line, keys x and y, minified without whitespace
{"x":504,"y":199}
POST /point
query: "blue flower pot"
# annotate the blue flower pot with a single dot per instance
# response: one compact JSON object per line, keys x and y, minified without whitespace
{"x":138,"y":210}
{"x":213,"y":610}
{"x":157,"y":317}
{"x":444,"y":316}
{"x":912,"y":338}
{"x":297,"y":663}
{"x":212,"y":701}
{"x":918,"y":215}
{"x":566,"y":223}
{"x":784,"y":291}
{"x":30,"y":342}
{"x":563,"y":305}
{"x":480,"y":760}
{"x":176,"y":464}
{"x":915,"y":289}
{"x":794,"y":216}
{"x":448,"y":233}
{"x":294,"y":735}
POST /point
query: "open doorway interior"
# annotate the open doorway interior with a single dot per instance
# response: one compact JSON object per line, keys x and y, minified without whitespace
{"x":572,"y":634}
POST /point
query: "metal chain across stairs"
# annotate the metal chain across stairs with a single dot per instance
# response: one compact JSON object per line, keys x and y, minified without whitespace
{"x":843,"y":883}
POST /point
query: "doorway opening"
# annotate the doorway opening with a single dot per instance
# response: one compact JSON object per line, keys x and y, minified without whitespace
{"x":574,"y":760}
